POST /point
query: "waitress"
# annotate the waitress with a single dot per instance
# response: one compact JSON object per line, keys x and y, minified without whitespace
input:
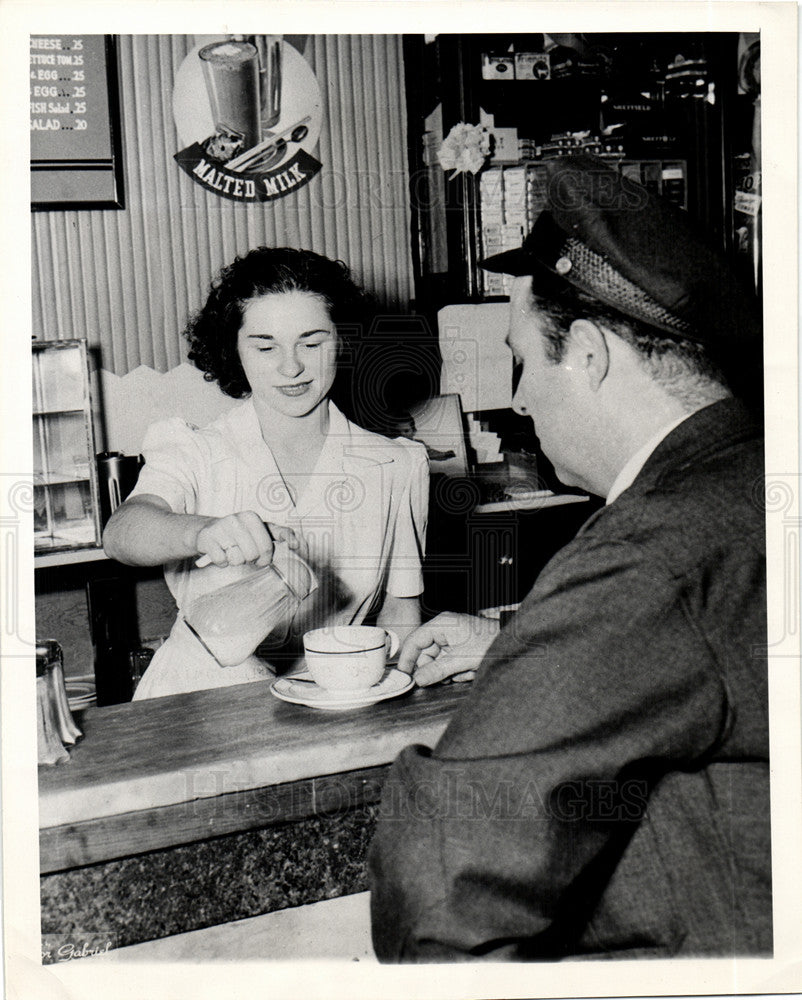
{"x":273,"y":331}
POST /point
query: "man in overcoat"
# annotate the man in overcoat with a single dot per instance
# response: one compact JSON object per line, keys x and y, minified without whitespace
{"x":603,"y":791}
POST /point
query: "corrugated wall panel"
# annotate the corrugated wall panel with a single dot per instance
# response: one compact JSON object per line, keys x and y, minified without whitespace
{"x":128,"y":280}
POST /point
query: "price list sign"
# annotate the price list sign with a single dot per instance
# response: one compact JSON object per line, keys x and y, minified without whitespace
{"x":74,"y":115}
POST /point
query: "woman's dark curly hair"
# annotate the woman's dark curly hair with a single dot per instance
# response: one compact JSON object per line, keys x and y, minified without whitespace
{"x":212,"y":333}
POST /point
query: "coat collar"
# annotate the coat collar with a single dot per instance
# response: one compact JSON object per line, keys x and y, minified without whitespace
{"x":726,"y":422}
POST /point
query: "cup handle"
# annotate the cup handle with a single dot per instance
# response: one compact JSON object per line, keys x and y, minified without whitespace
{"x":392,"y":642}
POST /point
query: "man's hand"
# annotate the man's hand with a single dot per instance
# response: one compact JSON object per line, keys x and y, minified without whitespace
{"x":450,"y":646}
{"x":242,"y":538}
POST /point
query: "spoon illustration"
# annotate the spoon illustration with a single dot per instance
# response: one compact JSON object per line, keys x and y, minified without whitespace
{"x":272,"y":150}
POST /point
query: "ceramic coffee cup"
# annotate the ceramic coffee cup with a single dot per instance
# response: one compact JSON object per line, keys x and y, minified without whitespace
{"x":348,"y":657}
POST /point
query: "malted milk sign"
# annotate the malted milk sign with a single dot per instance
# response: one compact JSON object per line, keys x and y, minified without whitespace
{"x":248,"y":110}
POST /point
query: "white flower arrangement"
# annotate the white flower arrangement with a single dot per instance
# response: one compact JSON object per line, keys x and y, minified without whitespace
{"x":464,"y":149}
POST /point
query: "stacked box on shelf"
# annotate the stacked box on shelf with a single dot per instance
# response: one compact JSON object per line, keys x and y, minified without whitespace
{"x":665,"y":178}
{"x":512,"y":198}
{"x":527,"y":149}
{"x":673,"y":186}
{"x":536,"y":182}
{"x":515,"y":227}
{"x":491,"y":198}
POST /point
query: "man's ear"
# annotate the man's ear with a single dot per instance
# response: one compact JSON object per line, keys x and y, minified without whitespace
{"x":588,"y":351}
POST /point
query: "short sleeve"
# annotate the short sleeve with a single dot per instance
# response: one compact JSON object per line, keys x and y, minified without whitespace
{"x":405,"y":573}
{"x":173,"y":460}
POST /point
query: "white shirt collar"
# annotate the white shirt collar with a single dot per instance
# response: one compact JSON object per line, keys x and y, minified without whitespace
{"x":347,"y":446}
{"x":629,"y":473}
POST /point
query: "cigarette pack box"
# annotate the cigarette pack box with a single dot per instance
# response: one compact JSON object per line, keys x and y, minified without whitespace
{"x":673,"y":179}
{"x":513,"y":237}
{"x":491,"y":184}
{"x":505,"y":145}
{"x":493,"y":284}
{"x":527,"y":149}
{"x":497,"y":67}
{"x":532,"y":66}
{"x":514,"y":180}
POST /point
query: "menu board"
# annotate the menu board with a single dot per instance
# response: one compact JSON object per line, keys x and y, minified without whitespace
{"x":74,"y":116}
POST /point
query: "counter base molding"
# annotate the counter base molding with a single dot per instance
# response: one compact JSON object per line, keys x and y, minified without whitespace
{"x":88,"y":842}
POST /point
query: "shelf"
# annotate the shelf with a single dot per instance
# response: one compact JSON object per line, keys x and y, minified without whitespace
{"x":530,"y":503}
{"x":669,"y":157}
{"x":58,"y":478}
{"x":68,"y":557}
{"x":59,"y":412}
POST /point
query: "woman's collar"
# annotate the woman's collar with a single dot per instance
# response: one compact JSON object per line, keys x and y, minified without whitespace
{"x":360,"y":449}
{"x":348,"y":446}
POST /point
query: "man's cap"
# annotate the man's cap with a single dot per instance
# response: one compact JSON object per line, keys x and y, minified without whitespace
{"x":609,"y":237}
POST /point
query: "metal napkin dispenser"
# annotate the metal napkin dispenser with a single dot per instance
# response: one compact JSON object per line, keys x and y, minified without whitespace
{"x":55,"y":726}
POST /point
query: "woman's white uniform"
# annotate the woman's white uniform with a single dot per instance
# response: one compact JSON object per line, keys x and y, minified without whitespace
{"x":362,"y":513}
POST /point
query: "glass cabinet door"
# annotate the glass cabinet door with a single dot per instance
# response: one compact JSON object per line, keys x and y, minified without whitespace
{"x":66,"y":511}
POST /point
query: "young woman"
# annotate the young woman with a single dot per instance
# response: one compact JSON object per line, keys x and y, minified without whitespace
{"x":284,"y":465}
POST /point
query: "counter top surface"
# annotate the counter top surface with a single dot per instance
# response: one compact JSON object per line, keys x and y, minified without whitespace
{"x":177,"y":749}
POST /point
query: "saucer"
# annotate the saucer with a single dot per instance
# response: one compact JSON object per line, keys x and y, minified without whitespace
{"x":394,"y":683}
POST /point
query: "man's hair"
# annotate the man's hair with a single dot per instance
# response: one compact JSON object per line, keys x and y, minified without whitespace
{"x":683,"y":368}
{"x":213,"y":332}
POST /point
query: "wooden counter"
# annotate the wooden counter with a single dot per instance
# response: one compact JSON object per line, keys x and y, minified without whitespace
{"x":168,"y":771}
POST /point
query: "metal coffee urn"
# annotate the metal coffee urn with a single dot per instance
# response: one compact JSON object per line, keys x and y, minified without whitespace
{"x":117,"y":475}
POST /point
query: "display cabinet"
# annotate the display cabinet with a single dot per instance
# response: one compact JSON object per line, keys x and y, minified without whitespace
{"x":512,"y":197}
{"x":663,"y":108}
{"x":66,"y":509}
{"x":675,"y":111}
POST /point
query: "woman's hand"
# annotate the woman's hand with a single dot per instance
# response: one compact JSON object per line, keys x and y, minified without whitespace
{"x":242,"y":538}
{"x":449,"y":647}
{"x":144,"y":531}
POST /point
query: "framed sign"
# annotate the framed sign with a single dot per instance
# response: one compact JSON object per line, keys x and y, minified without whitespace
{"x":76,"y":153}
